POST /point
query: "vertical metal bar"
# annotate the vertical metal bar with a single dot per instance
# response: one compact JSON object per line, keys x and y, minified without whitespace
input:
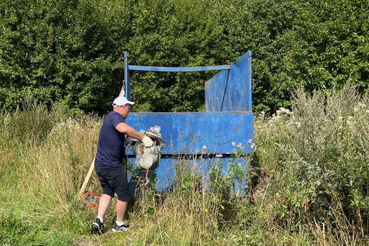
{"x":249,"y":78}
{"x":225,"y":90}
{"x":126,"y":74}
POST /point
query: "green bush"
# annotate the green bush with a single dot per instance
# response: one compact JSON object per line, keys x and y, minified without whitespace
{"x":311,"y":166}
{"x":71,"y":52}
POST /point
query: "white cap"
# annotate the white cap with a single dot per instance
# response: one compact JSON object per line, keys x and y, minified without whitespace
{"x":120,"y":101}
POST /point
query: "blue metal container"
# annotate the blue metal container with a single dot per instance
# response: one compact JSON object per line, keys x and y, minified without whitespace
{"x":225,"y":126}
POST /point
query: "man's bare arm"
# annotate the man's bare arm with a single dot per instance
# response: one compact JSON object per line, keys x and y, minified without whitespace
{"x":126,"y":129}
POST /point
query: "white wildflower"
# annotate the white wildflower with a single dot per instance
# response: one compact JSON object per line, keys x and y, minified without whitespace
{"x":283,"y":111}
{"x":362,"y":105}
{"x":218,"y":155}
{"x":262,"y":114}
{"x":253,"y":146}
{"x":204,"y":148}
{"x":349,"y":120}
{"x":239,"y":146}
{"x":298,"y":124}
{"x":233,"y":144}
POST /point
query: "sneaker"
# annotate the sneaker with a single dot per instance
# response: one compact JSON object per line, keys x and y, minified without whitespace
{"x":97,"y":227}
{"x":121,"y":228}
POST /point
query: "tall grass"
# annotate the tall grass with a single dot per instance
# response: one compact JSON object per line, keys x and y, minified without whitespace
{"x":312,"y":167}
{"x":307,"y":183}
{"x":44,"y":157}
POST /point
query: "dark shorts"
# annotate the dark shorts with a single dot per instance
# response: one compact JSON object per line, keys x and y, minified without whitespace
{"x":114,"y":180}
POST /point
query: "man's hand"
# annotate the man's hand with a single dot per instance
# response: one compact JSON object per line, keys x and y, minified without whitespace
{"x":147,"y":141}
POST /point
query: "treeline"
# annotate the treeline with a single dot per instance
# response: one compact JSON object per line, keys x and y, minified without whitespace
{"x":71,"y":52}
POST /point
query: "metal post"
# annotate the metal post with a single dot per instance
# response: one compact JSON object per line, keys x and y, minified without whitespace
{"x":126,"y":74}
{"x":249,"y":79}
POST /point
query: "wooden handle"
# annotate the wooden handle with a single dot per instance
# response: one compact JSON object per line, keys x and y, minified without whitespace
{"x":122,"y":92}
{"x":88,"y":176}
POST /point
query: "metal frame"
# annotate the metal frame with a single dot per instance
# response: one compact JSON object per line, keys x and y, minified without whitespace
{"x":128,"y":67}
{"x":228,"y":117}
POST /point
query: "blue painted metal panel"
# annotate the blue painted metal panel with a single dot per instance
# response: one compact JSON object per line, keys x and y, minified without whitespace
{"x":249,"y":78}
{"x":178,"y":69}
{"x":166,"y":170}
{"x":236,"y":93}
{"x":186,"y":133}
{"x":215,"y":91}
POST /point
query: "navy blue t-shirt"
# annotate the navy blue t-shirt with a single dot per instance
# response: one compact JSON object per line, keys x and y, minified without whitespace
{"x":110,"y":148}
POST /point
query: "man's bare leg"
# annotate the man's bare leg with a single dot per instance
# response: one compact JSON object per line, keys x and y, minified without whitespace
{"x":121,"y":210}
{"x":103,"y":205}
{"x":97,"y":226}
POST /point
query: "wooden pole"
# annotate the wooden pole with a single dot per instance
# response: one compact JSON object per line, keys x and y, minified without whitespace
{"x":87,"y":178}
{"x":122,"y":92}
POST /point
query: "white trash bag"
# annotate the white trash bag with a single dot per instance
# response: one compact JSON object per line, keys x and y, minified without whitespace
{"x":148,"y":158}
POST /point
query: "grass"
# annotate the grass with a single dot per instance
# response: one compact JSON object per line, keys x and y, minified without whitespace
{"x":308,"y":182}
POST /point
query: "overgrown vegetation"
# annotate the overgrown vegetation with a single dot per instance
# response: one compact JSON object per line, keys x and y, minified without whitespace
{"x":307,"y":183}
{"x":312,"y":167}
{"x":71,"y":52}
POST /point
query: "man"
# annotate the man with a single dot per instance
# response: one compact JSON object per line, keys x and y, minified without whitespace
{"x":108,"y":164}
